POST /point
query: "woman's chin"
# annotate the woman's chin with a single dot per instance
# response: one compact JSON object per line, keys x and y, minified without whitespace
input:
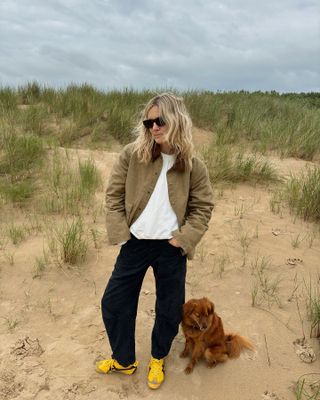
{"x":159,"y":139}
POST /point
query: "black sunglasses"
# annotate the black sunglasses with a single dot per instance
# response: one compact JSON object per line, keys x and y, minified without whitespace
{"x":148,"y":123}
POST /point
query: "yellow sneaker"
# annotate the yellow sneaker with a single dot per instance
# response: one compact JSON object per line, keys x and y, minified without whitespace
{"x":112,"y":365}
{"x":156,"y":373}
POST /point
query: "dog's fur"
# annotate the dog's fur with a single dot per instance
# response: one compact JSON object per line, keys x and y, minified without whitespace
{"x":205,"y":335}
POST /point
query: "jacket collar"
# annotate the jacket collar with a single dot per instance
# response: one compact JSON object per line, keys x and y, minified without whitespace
{"x":179,"y":164}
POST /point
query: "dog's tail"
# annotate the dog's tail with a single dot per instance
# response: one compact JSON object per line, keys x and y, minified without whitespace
{"x":236,"y":343}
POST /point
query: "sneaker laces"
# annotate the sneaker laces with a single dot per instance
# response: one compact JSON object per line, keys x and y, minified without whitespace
{"x":156,"y":367}
{"x":108,"y":364}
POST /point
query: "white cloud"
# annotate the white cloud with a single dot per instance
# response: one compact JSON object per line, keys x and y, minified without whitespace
{"x":205,"y":44}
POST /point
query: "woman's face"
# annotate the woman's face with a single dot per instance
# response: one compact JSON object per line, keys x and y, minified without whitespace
{"x":159,"y":133}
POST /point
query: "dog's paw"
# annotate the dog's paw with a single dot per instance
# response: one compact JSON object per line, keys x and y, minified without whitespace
{"x":188,"y":369}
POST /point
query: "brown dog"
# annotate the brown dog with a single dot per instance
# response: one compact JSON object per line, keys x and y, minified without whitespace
{"x":205,"y":336}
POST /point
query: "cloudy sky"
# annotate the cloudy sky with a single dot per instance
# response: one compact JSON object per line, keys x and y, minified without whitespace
{"x":182,"y":44}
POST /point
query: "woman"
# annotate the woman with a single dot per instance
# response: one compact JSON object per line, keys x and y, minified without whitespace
{"x":158,"y":205}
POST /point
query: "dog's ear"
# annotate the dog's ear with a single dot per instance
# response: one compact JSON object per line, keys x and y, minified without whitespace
{"x":210,"y":307}
{"x":188,"y":307}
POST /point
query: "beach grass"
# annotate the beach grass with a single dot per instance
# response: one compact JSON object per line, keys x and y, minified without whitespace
{"x":72,"y":244}
{"x":312,"y":292}
{"x":265,"y":121}
{"x":301,"y":193}
{"x":235,"y":166}
{"x":68,"y":187}
{"x":35,"y":118}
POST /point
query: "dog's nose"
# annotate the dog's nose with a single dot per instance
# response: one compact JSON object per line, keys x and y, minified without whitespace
{"x":203,"y":327}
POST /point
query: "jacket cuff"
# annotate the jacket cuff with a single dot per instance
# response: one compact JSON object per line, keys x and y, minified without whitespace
{"x":184,"y":243}
{"x":117,"y":228}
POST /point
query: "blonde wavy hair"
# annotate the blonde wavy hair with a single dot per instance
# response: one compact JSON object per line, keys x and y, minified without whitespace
{"x":173,"y":110}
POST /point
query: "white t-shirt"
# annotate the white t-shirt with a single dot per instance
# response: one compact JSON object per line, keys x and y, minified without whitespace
{"x":157,"y":220}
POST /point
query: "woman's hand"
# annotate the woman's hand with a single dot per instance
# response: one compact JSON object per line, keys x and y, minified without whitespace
{"x":174,"y":242}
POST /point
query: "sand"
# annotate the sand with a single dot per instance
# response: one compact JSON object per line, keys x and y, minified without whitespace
{"x":51,"y":332}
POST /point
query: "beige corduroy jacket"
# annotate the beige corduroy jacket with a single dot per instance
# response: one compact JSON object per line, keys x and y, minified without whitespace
{"x":131,"y":184}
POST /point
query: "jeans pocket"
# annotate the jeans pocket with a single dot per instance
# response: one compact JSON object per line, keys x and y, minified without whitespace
{"x":171,"y":248}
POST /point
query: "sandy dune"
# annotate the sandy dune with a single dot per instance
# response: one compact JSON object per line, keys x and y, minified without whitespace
{"x":52,"y":332}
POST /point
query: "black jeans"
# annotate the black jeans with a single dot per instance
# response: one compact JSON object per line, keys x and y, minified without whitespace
{"x":120,"y":300}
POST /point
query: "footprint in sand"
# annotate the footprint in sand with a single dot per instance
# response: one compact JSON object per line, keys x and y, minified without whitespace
{"x":151,"y":313}
{"x":304,"y":351}
{"x":27,"y":347}
{"x":81,"y":388}
{"x":9,"y":387}
{"x":269,"y":396}
{"x":293,"y":261}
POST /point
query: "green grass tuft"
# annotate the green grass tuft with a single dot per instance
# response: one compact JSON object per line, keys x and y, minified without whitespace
{"x":90,"y":178}
{"x":308,"y":387}
{"x":313,"y":306}
{"x":224,"y":166}
{"x":17,"y":192}
{"x":19,"y":152}
{"x":69,"y":188}
{"x":72,"y":243}
{"x":302,"y":194}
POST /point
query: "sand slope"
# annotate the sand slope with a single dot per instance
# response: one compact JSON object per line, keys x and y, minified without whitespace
{"x":52,"y":332}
